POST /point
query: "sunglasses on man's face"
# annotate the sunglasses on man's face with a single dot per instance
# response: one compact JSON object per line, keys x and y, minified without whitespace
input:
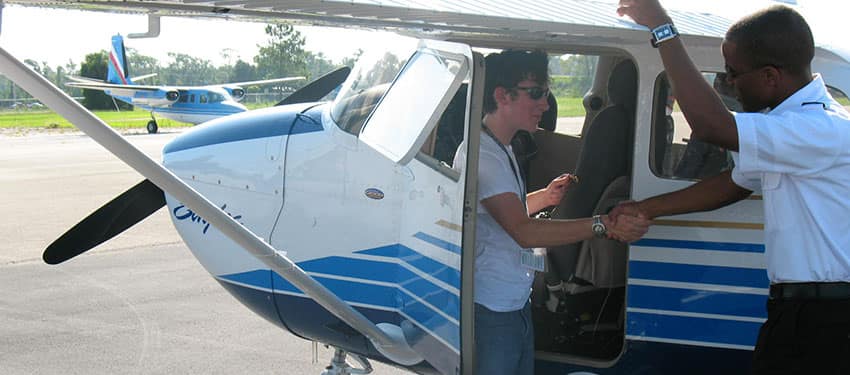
{"x":534,"y":92}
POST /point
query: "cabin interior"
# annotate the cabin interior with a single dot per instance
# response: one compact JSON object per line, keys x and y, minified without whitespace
{"x":579,"y":302}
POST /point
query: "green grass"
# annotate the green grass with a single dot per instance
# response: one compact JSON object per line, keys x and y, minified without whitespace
{"x":50,"y":120}
{"x":570,"y":107}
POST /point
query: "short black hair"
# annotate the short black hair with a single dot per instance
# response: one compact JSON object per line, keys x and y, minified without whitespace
{"x":777,"y":36}
{"x":510,"y":67}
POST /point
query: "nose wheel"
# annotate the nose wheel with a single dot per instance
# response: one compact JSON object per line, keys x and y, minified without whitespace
{"x":339,"y":366}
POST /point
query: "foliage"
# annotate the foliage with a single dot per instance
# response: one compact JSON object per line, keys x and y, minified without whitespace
{"x":283,"y":56}
{"x":572,"y":76}
{"x":94,"y":66}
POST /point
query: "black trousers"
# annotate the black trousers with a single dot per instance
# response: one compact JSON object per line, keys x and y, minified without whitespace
{"x":804,"y":336}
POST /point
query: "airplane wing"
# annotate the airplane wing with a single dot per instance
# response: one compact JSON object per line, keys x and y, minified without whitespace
{"x":97,"y":81}
{"x":151,"y":96}
{"x":265,"y":81}
{"x":469,"y":20}
{"x":103,"y":86}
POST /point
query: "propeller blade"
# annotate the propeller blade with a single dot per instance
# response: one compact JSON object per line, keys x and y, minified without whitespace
{"x":108,"y":221}
{"x":317,"y":89}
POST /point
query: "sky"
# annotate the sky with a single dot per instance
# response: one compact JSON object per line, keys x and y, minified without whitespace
{"x":72,"y":34}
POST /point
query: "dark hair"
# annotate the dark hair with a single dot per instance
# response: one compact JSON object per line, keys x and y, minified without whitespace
{"x":777,"y":36}
{"x":508,"y":68}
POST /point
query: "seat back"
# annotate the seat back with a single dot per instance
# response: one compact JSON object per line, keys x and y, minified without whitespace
{"x":450,"y":127}
{"x":605,"y":155}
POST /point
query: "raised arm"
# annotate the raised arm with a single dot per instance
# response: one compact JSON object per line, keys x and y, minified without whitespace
{"x":708,"y":118}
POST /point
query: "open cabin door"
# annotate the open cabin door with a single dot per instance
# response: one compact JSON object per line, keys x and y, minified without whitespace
{"x":415,"y":127}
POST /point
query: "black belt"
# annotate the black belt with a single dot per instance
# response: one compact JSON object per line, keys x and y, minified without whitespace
{"x":838,"y":290}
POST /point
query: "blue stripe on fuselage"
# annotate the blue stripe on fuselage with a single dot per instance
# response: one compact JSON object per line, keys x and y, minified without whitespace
{"x":425,"y":264}
{"x":701,"y":245}
{"x":694,"y":273}
{"x":269,"y":122}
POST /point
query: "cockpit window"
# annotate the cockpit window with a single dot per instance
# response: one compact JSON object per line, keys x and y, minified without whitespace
{"x":368,"y":82}
{"x":675,"y":154}
{"x":215,"y":97}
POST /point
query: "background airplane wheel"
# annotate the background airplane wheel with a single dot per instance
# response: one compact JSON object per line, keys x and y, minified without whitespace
{"x":152,"y":127}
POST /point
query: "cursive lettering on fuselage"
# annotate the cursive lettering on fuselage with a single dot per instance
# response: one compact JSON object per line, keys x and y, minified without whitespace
{"x":182,"y":212}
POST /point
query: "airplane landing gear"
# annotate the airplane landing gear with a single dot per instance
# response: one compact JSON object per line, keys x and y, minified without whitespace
{"x":152,"y":127}
{"x":339,"y":366}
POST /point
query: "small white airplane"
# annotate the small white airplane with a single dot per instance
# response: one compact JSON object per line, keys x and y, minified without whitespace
{"x":343,"y":223}
{"x":190,"y":104}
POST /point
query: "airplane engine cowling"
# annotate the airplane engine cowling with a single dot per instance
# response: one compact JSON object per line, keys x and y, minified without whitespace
{"x":172,"y":95}
{"x":238,"y":94}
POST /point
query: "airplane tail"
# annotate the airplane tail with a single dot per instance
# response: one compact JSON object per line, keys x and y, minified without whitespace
{"x":118,"y":69}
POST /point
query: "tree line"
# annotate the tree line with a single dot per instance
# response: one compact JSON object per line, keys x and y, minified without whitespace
{"x":282,"y":55}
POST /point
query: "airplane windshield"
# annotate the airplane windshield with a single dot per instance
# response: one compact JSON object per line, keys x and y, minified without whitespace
{"x":368,"y":81}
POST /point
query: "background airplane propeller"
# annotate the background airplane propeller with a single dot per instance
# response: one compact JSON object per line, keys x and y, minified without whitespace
{"x":137,"y":203}
{"x":317,"y":89}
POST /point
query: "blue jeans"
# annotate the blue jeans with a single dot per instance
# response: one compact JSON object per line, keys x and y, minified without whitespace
{"x":504,"y":341}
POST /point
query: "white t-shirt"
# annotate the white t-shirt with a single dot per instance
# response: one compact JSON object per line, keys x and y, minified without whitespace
{"x":798,"y":156}
{"x":502,"y":283}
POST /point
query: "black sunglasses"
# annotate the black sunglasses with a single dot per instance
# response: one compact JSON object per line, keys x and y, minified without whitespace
{"x":731,"y":74}
{"x":534,"y":92}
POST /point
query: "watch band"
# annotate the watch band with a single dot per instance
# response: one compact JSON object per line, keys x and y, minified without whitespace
{"x":663,"y":33}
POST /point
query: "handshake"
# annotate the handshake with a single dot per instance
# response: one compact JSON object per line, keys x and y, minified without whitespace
{"x":626,"y":222}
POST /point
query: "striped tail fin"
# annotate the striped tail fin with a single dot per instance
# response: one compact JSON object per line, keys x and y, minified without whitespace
{"x":118,"y":71}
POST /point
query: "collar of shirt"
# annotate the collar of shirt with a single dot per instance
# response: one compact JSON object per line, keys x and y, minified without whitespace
{"x":813,"y":91}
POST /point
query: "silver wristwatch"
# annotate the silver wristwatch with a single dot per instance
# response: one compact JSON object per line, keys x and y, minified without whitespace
{"x":598,"y":227}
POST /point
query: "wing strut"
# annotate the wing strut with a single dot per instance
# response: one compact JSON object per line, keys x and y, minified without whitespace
{"x":387,"y":338}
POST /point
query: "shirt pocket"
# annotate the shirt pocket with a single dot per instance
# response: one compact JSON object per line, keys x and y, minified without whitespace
{"x":770,"y":181}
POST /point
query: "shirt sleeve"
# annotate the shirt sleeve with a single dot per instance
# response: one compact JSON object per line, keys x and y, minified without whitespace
{"x":749,"y":181}
{"x":794,"y":142}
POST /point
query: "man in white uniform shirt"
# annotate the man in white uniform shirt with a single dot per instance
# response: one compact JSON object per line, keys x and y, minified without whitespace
{"x":793,"y":144}
{"x":516,"y":92}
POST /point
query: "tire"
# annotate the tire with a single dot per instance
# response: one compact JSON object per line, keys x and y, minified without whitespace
{"x":152,"y":127}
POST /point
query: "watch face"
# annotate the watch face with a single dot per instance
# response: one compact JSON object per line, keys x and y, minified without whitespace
{"x":598,"y":229}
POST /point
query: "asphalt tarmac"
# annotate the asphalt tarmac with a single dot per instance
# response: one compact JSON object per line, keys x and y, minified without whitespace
{"x":139,"y":304}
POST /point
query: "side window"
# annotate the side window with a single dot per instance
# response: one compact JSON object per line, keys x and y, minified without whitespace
{"x":674,"y":153}
{"x":572,"y":78}
{"x":448,"y":135}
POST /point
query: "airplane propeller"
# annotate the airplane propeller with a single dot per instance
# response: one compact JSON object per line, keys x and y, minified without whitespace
{"x":140,"y":201}
{"x":317,"y":89}
{"x":118,"y":215}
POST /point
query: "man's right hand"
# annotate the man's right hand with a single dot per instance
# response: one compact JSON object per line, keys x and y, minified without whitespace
{"x":648,"y":13}
{"x":626,"y":228}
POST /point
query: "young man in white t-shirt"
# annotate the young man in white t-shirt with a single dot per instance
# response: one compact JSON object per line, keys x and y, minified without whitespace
{"x":516,"y":92}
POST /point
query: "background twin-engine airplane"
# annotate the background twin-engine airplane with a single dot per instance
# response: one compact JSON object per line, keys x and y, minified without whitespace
{"x":191,"y":104}
{"x":344,"y":222}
